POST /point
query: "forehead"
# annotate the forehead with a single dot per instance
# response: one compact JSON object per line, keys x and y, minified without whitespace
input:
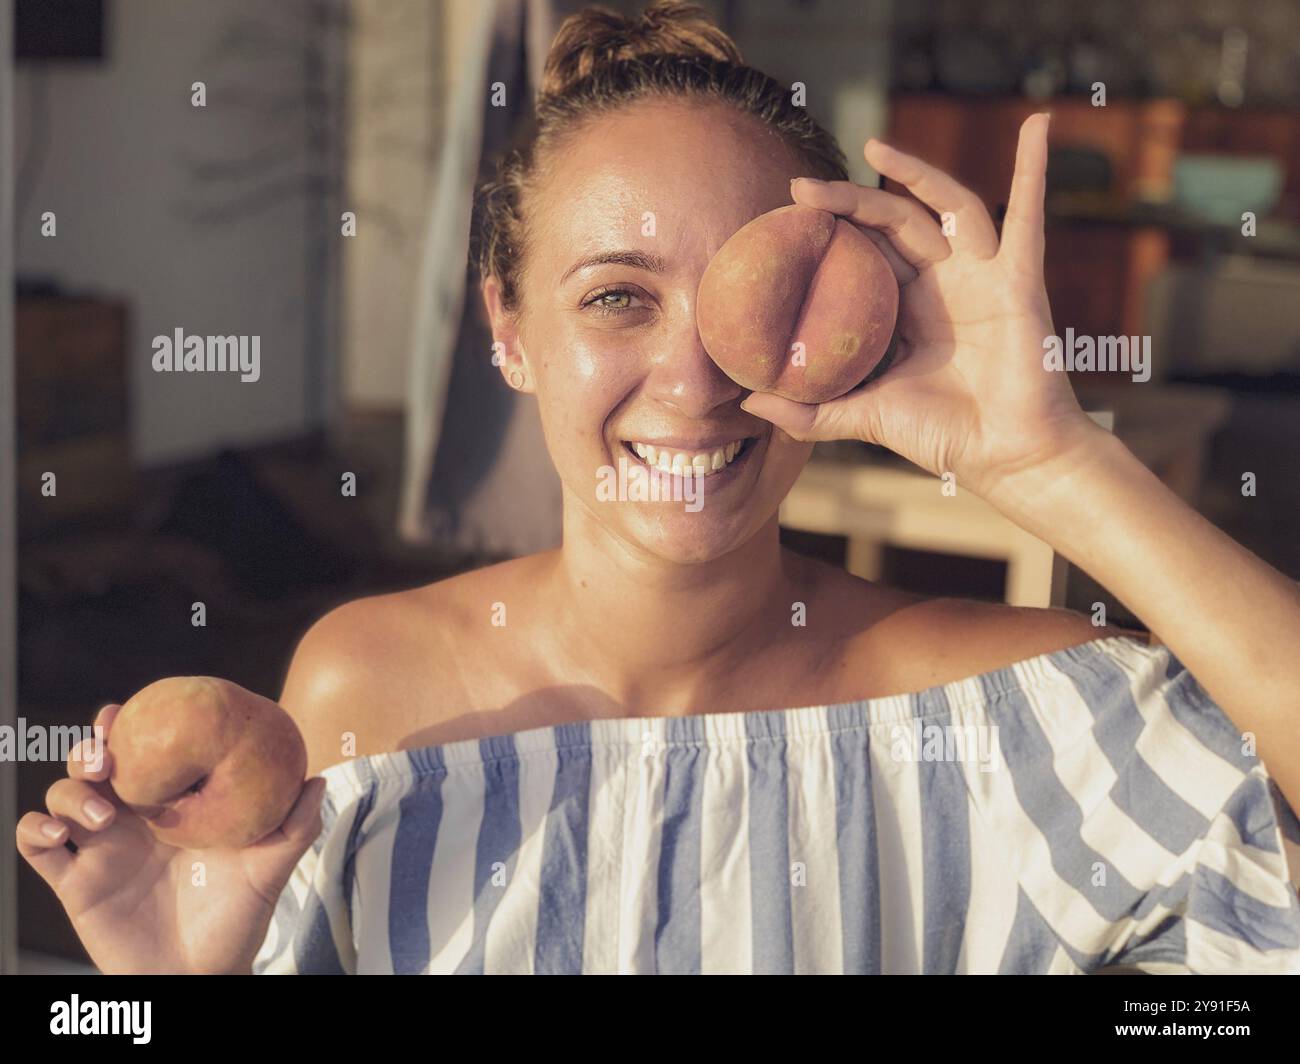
{"x":674,"y":176}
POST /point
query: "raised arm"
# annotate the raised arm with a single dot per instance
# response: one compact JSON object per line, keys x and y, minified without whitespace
{"x":971,"y":395}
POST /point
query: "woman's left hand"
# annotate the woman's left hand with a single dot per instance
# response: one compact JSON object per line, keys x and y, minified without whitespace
{"x":967,"y":393}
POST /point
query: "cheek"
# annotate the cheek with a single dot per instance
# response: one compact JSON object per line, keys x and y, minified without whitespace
{"x":586,"y":367}
{"x":580,"y":383}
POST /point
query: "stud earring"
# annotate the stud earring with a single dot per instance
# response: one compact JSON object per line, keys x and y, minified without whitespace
{"x":516,"y":379}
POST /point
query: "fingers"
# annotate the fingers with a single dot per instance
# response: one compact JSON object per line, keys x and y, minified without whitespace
{"x":904,"y":271}
{"x":90,"y":758}
{"x":1022,"y":229}
{"x":41,"y":841}
{"x":303,"y":823}
{"x":910,"y":231}
{"x":79,"y":802}
{"x":76,"y":807}
{"x":806,"y":422}
{"x":105,"y":717}
{"x":271,"y":861}
{"x":969,"y":229}
{"x":76,"y":811}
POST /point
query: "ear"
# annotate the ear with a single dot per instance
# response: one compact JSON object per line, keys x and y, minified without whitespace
{"x":508,"y":353}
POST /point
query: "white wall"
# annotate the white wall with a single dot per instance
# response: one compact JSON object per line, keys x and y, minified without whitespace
{"x":119,"y":134}
{"x":403,"y":64}
{"x":397,"y":82}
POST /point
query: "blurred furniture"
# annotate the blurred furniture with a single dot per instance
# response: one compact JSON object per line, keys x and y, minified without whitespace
{"x":1222,"y":188}
{"x":1229,"y":314}
{"x":1247,"y":131}
{"x":1096,"y":275}
{"x":1168,"y":426}
{"x":1103,"y":247}
{"x":875,"y":503}
{"x":71,"y":370}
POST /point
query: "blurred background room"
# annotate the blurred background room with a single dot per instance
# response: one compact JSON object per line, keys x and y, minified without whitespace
{"x":302,"y":172}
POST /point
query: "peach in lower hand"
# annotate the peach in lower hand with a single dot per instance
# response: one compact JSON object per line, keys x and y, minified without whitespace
{"x":798,"y":302}
{"x":205,"y":762}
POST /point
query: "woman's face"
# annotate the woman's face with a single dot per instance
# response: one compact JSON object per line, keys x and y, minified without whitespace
{"x":623,"y":219}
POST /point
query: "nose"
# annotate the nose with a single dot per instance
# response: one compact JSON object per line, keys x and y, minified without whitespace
{"x":684,"y":377}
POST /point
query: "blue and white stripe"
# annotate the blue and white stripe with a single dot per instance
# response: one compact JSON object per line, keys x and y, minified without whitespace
{"x":1119,"y":820}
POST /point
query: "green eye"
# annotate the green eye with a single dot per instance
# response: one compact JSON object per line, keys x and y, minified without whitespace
{"x":611,"y":301}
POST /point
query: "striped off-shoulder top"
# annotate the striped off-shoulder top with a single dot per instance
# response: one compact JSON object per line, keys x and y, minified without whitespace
{"x":1085,"y":808}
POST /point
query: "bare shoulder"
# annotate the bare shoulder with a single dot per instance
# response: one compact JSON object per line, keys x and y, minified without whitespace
{"x":371,"y":671}
{"x":965,"y":638}
{"x":993,"y":630}
{"x":901,"y":642}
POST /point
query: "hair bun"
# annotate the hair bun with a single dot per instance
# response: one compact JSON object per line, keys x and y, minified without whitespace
{"x":596,"y":36}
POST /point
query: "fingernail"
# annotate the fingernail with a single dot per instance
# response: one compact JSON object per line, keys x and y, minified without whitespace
{"x":98,"y":810}
{"x":53,"y":830}
{"x":810,"y":180}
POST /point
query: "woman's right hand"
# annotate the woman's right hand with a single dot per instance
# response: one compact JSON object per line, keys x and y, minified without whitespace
{"x":140,"y":906}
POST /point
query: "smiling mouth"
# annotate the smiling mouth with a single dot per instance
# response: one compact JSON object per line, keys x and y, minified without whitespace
{"x":689,"y":463}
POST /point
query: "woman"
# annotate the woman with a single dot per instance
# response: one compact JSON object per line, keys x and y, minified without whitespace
{"x":575,"y":761}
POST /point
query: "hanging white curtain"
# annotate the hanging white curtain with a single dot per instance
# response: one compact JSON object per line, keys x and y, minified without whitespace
{"x":476,"y":474}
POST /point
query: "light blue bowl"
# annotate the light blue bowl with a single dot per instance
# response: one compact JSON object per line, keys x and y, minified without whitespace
{"x":1219,"y":188}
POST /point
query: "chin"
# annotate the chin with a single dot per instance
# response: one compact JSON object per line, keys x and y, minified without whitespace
{"x":687,"y":538}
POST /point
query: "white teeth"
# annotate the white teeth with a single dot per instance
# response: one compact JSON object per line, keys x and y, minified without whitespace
{"x":681,"y":463}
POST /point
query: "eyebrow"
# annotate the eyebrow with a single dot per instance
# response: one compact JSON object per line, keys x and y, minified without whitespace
{"x":639,"y":260}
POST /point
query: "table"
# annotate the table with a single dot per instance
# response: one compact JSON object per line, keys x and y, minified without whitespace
{"x":874,"y":504}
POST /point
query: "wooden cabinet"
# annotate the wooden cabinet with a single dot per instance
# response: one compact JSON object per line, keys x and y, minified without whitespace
{"x":1097,"y":270}
{"x":72,"y":410}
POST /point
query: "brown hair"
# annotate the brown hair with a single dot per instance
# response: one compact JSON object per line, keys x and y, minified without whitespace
{"x":601,"y":60}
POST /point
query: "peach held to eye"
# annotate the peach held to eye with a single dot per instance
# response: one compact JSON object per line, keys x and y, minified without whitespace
{"x":205,"y":762}
{"x":799,"y":303}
